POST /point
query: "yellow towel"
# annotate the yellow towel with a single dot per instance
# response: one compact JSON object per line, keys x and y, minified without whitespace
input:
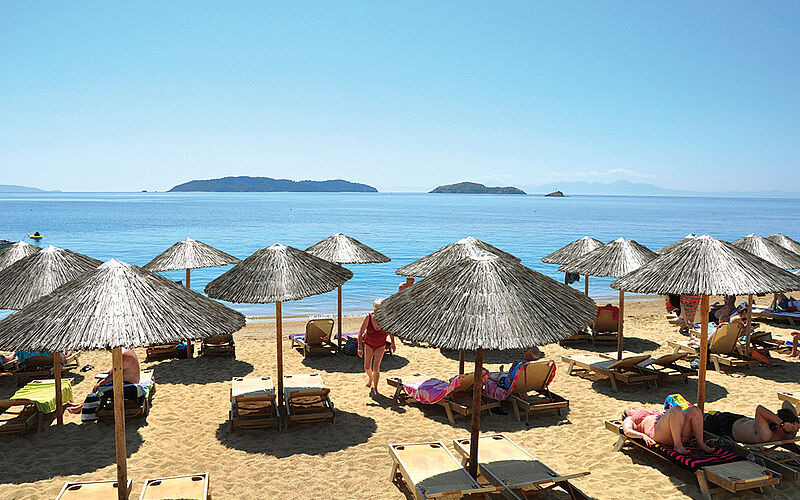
{"x":44,"y":394}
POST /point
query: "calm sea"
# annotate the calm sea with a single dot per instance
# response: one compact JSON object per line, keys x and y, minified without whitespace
{"x":135,"y":227}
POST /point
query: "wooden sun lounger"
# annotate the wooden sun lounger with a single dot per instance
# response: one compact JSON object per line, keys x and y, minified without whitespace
{"x":516,"y":473}
{"x":18,"y":416}
{"x":218,"y":345}
{"x":431,"y":471}
{"x":763,"y":312}
{"x":91,"y":490}
{"x":253,"y":403}
{"x":317,"y":339}
{"x":166,"y":351}
{"x":188,"y":487}
{"x":605,"y":328}
{"x":625,"y":370}
{"x":307,"y":399}
{"x":530,"y":393}
{"x":133,"y":407}
{"x":665,"y":367}
{"x":459,"y":401}
{"x":36,"y":367}
{"x":781,"y":456}
{"x":581,"y":336}
{"x":732,"y":476}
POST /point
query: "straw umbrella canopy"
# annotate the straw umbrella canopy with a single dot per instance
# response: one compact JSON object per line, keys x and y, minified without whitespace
{"x":189,"y":254}
{"x":449,"y":254}
{"x":770,"y":251}
{"x":785,"y":242}
{"x":277,"y":274}
{"x":15,"y":252}
{"x":671,"y":246}
{"x":341,"y":249}
{"x":614,"y":260}
{"x":707,"y":266}
{"x":485,"y":302}
{"x":112,"y":306}
{"x":39,"y":274}
{"x":572,"y":251}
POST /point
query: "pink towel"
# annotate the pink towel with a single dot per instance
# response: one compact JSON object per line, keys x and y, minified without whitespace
{"x":432,"y":390}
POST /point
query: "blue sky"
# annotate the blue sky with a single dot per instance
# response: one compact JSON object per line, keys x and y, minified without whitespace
{"x":400,"y":95}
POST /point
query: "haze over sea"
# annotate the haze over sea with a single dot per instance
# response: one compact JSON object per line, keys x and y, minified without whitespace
{"x":135,"y":227}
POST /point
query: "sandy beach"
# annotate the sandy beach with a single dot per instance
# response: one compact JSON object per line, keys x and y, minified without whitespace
{"x":187,"y":429}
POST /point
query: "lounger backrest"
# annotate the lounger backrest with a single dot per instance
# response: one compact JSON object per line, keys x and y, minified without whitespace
{"x":628,"y":362}
{"x":724,"y":339}
{"x":669,"y":359}
{"x":318,"y":330}
{"x":466,"y":381}
{"x":39,"y":362}
{"x":605,"y":321}
{"x":219,"y":339}
{"x":534,"y":376}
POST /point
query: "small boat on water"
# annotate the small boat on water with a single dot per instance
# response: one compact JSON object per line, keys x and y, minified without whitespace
{"x":5,"y":243}
{"x":35,"y":236}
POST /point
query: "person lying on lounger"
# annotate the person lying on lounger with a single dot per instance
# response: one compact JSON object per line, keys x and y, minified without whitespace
{"x":765,"y":427}
{"x":781,"y":302}
{"x":672,"y":428}
{"x":130,"y":374}
{"x":504,"y":378}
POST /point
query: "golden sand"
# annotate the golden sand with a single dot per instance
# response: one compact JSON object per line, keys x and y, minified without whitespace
{"x":187,"y":429}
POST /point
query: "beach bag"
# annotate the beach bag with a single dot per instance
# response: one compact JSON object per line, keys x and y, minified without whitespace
{"x":350,"y":347}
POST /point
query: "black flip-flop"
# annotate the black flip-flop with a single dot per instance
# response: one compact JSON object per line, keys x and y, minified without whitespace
{"x":87,"y":368}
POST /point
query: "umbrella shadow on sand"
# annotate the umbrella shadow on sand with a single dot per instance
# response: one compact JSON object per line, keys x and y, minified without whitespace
{"x":646,"y":396}
{"x":68,"y":450}
{"x":199,"y":370}
{"x":342,"y":363}
{"x":350,"y":429}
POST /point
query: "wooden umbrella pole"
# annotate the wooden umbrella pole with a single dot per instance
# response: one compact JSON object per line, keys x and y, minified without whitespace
{"x":586,"y":285}
{"x":701,"y":375}
{"x":477,"y":387}
{"x":620,"y":323}
{"x":279,"y":346}
{"x":59,"y":395}
{"x":188,"y":278}
{"x":339,"y":313}
{"x":748,"y":325}
{"x":461,"y":361}
{"x":119,"y":423}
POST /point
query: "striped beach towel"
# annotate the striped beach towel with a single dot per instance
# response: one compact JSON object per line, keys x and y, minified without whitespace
{"x":689,"y":304}
{"x":129,"y":391}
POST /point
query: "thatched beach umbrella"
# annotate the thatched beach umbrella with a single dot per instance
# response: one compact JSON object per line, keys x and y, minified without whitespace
{"x":450,"y":254}
{"x":39,"y":274}
{"x":113,"y":306}
{"x":277,"y":274}
{"x":770,"y":251}
{"x":671,"y":246}
{"x":189,"y":254}
{"x":485,"y":302}
{"x":572,"y":251}
{"x":785,"y":242}
{"x":15,"y":252}
{"x":707,"y":266}
{"x":341,"y":249}
{"x":613,"y":260}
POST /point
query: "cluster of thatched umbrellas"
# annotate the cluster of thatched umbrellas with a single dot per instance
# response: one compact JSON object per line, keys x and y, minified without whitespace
{"x":474,"y":297}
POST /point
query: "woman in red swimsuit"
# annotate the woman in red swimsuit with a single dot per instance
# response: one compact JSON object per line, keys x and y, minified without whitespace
{"x":371,"y":346}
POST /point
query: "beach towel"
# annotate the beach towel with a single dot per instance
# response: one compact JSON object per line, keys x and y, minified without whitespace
{"x":614,"y":311}
{"x":433,"y":390}
{"x":676,"y":400}
{"x":570,"y":278}
{"x":695,"y":459}
{"x":689,"y":304}
{"x":44,"y":394}
{"x":129,"y":391}
{"x":503,"y":388}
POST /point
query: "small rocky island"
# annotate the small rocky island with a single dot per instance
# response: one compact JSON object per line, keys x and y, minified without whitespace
{"x":475,"y":188}
{"x":557,"y":194}
{"x":268,"y":184}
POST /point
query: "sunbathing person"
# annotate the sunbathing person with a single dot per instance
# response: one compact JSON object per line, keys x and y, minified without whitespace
{"x":673,"y":428}
{"x":504,"y":378}
{"x":765,"y":427}
{"x":781,"y":302}
{"x":130,"y":374}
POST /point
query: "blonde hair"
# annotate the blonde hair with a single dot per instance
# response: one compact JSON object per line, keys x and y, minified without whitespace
{"x":376,"y":303}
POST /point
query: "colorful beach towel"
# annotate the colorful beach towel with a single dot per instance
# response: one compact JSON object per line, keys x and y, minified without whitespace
{"x":433,"y":390}
{"x":676,"y":400}
{"x":44,"y":394}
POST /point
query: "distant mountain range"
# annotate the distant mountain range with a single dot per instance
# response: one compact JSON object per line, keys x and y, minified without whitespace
{"x":475,"y":188}
{"x":268,"y":184}
{"x":10,"y":188}
{"x":644,"y":189}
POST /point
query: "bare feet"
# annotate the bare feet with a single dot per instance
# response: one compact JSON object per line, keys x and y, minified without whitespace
{"x":369,"y":383}
{"x":706,"y":448}
{"x":373,"y":392}
{"x":74,"y":408}
{"x":681,"y":450}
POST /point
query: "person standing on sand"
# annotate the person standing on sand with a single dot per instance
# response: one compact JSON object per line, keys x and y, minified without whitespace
{"x":371,"y":347}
